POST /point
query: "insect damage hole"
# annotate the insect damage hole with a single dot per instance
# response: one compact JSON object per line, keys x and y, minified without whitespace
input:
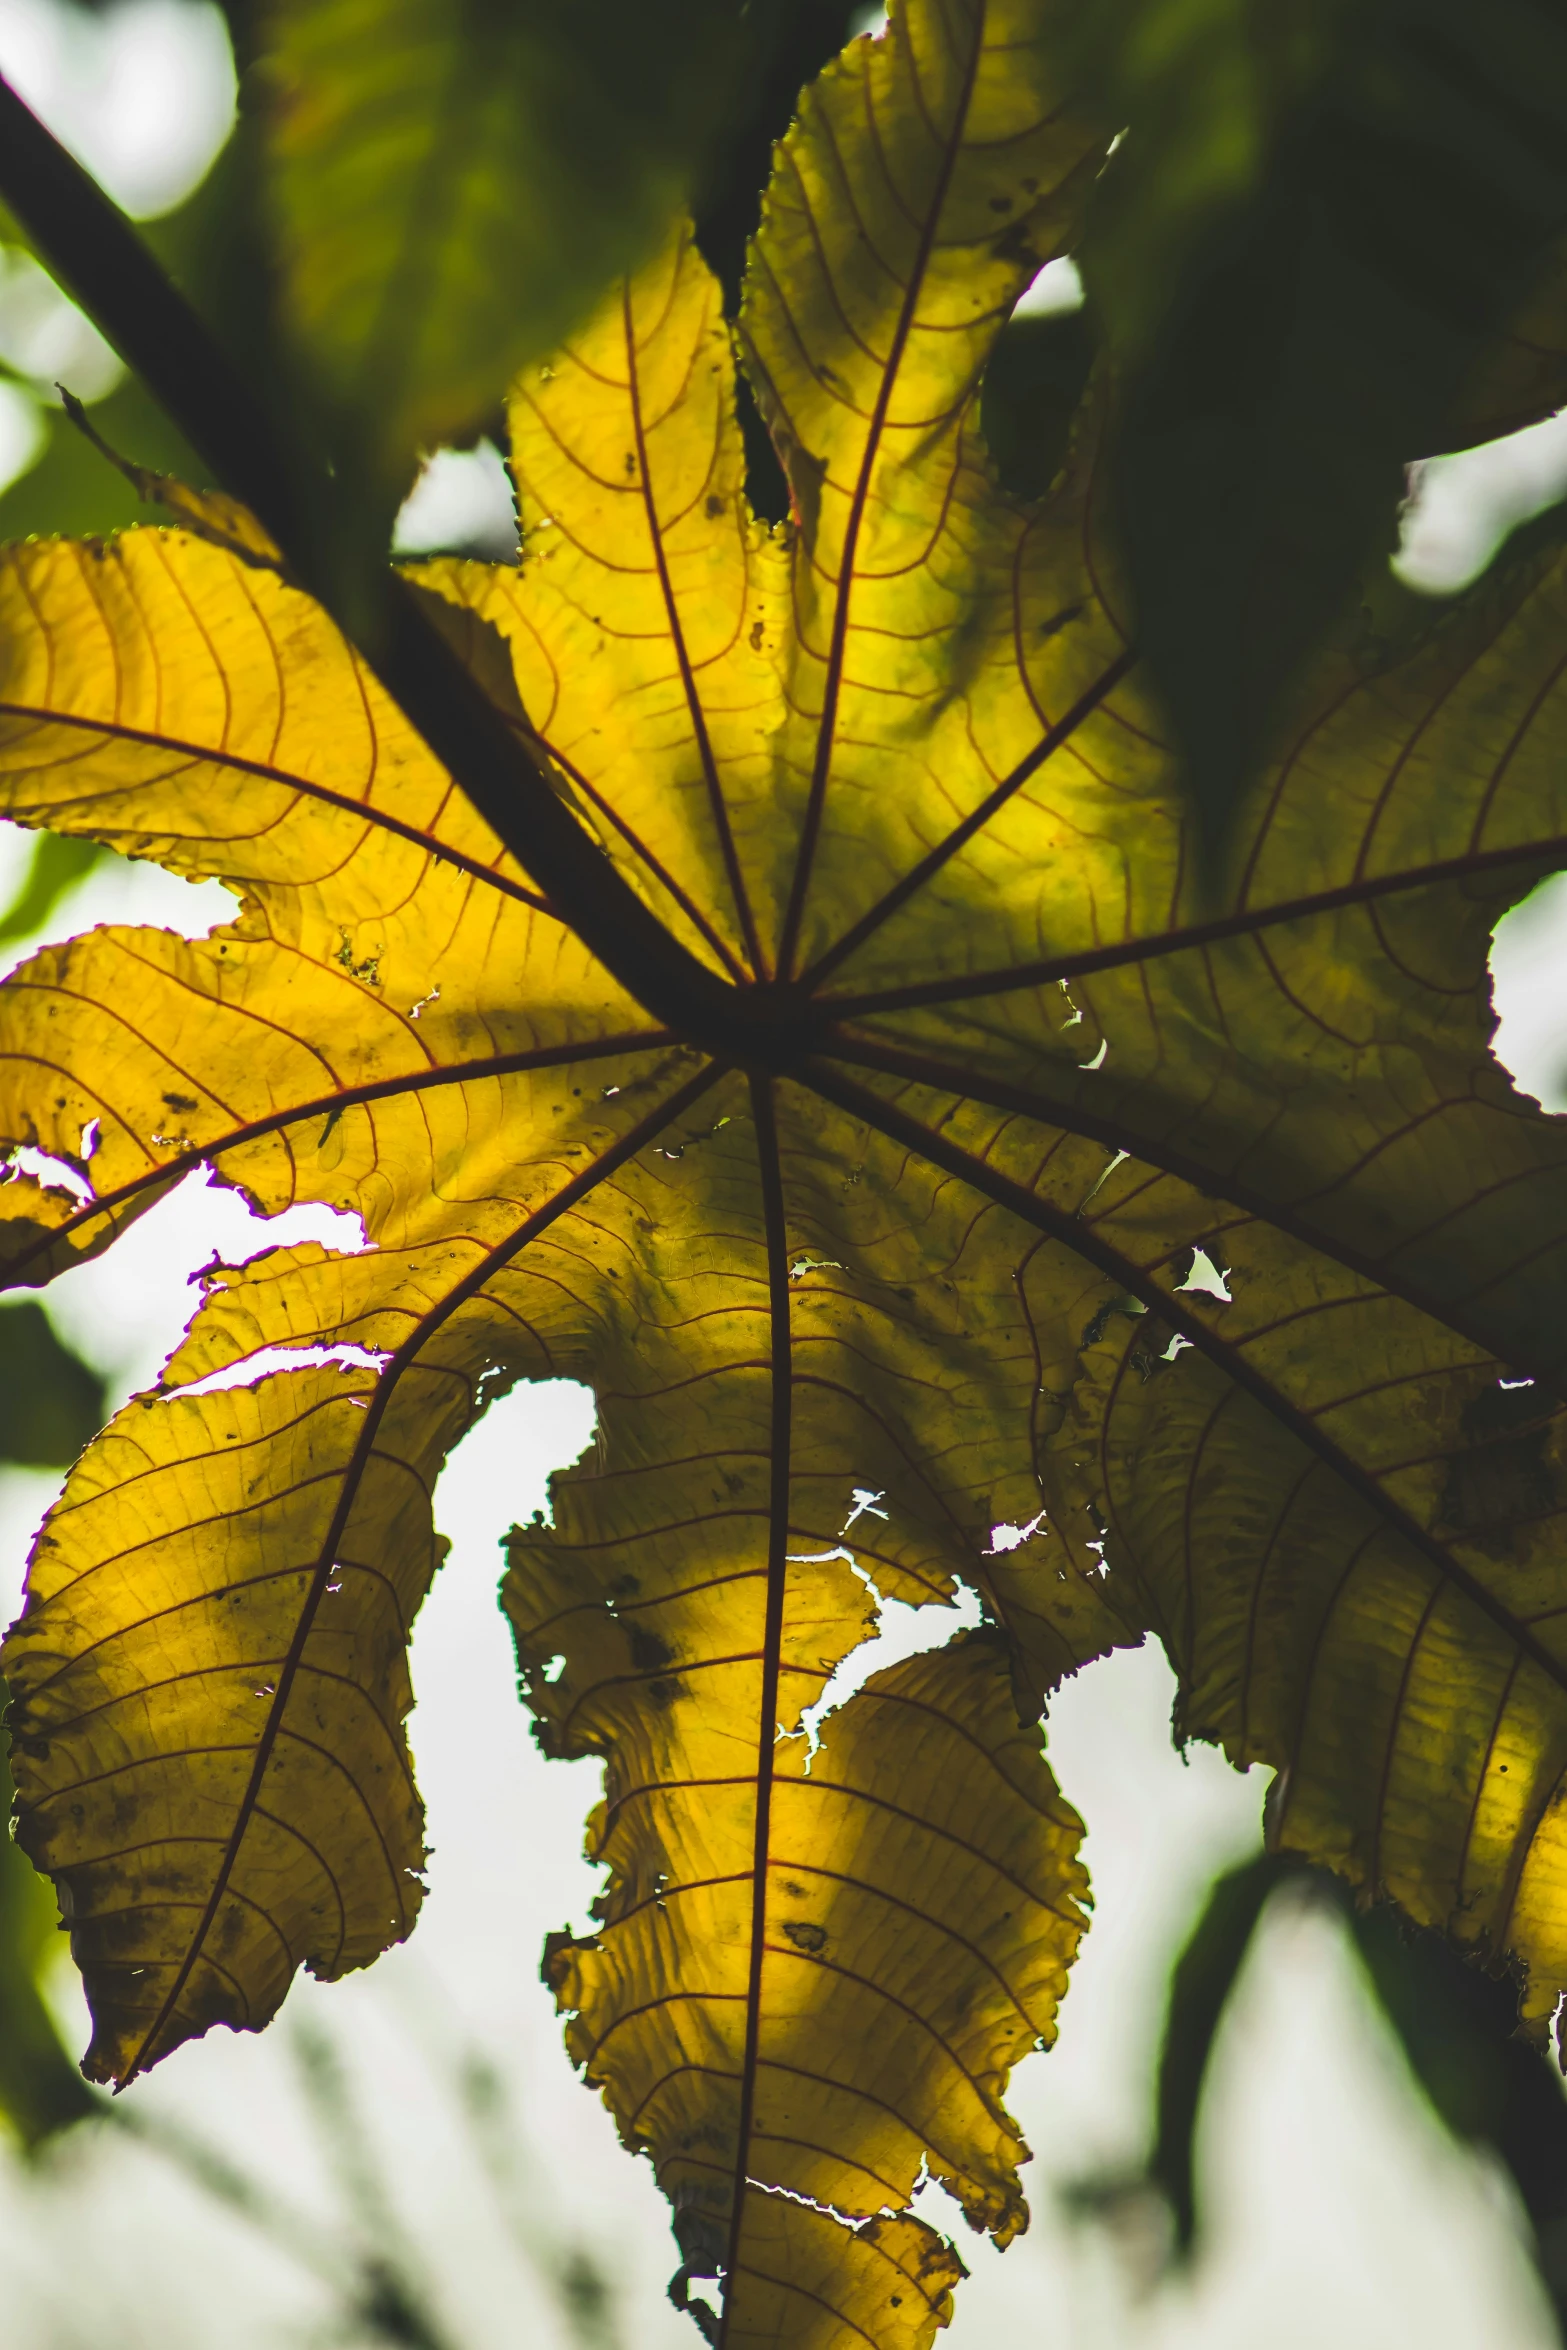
{"x":252,"y":1368}
{"x":900,"y":1629}
{"x":1207,"y":1276}
{"x":1007,"y":1537}
{"x":55,"y":1174}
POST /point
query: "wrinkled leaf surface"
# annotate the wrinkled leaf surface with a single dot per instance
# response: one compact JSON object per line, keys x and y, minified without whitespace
{"x":1134,"y":1263}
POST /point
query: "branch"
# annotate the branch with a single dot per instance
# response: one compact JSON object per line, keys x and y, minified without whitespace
{"x":89,"y":245}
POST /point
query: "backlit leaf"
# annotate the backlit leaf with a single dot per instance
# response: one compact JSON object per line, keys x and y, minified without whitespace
{"x":1132,"y":1260}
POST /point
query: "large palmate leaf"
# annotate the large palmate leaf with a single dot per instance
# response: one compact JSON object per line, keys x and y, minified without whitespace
{"x":1032,"y":1224}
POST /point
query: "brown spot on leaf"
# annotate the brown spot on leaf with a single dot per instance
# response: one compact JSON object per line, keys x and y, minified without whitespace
{"x":648,"y":1652}
{"x":1502,"y":1475}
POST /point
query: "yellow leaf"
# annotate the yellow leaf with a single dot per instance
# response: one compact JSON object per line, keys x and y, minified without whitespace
{"x":1132,"y":1261}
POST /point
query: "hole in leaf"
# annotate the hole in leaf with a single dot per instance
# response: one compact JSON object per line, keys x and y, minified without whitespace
{"x":1207,"y":1277}
{"x":1007,"y":1537}
{"x":268,"y":1360}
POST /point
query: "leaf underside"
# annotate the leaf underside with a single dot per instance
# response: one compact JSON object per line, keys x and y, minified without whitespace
{"x":952,"y":1240}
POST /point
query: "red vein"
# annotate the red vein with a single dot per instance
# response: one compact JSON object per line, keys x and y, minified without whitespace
{"x":1072,"y":1234}
{"x":961,"y":834}
{"x":1213,"y":1183}
{"x":837,"y":645}
{"x":742,"y":902}
{"x":771,"y":1172}
{"x":1196,"y":934}
{"x":332,"y":1105}
{"x":260,"y":768}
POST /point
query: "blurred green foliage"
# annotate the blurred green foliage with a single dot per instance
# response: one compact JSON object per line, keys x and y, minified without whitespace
{"x":1303,"y":255}
{"x":41,"y":2091}
{"x":419,"y":196}
{"x":1304,"y":259}
{"x":50,"y":1402}
{"x":58,"y":863}
{"x":1456,"y":2023}
{"x":788,"y":46}
{"x":449,"y":185}
{"x":1030,"y":394}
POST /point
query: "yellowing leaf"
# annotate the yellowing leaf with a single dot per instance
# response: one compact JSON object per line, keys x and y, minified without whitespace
{"x":1133,"y":1260}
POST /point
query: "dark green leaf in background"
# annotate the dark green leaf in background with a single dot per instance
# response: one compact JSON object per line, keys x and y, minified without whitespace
{"x":58,"y":863}
{"x":1030,"y":394}
{"x":1307,"y":255}
{"x":41,"y":2091}
{"x":452,"y":182}
{"x":788,"y":43}
{"x":1457,"y":2024}
{"x":50,"y":1402}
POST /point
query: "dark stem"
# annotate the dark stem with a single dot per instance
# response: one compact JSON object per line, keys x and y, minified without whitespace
{"x":89,"y":245}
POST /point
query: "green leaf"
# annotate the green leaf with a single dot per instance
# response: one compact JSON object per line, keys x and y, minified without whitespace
{"x":995,"y":1212}
{"x":41,"y":2091}
{"x":50,"y":1402}
{"x":1309,"y":247}
{"x":1457,"y":2023}
{"x":1031,"y":392}
{"x":57,"y":864}
{"x":453,"y":185}
{"x":1459,"y":2028}
{"x":1205,"y":1975}
{"x":805,"y":35}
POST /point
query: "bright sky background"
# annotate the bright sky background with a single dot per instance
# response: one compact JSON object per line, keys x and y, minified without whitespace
{"x":1343,"y":2219}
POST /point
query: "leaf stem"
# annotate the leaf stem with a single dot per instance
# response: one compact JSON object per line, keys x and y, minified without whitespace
{"x":85,"y":241}
{"x":90,"y":246}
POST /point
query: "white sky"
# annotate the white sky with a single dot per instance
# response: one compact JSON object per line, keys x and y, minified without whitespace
{"x":1343,"y":2219}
